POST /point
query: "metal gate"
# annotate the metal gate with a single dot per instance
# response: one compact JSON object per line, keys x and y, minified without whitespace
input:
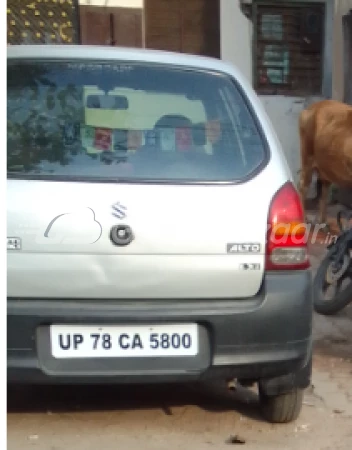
{"x":42,"y":22}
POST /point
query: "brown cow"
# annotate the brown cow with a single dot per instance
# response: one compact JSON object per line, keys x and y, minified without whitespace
{"x":325,"y":130}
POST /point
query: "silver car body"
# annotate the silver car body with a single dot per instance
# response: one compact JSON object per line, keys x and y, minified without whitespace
{"x":181,"y":232}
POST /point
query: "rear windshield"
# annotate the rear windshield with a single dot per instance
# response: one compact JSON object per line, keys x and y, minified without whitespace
{"x":122,"y":121}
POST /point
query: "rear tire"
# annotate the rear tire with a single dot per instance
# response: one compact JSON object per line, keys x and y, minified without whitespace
{"x":341,"y":299}
{"x":283,"y":408}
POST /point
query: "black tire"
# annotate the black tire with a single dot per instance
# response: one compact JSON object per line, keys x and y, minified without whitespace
{"x":283,"y":408}
{"x":340,"y":301}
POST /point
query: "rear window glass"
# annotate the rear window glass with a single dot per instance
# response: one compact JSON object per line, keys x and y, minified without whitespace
{"x":123,"y":121}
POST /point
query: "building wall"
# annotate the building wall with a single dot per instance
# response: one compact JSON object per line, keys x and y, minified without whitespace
{"x":236,"y":36}
{"x":341,"y":8}
{"x":236,"y":48}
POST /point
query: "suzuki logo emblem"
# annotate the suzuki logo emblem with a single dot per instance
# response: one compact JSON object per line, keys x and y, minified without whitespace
{"x":119,"y":211}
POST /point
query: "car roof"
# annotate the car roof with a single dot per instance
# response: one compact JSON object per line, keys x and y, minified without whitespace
{"x":107,"y":53}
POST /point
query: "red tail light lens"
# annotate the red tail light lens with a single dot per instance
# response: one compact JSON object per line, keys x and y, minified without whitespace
{"x":287,"y":234}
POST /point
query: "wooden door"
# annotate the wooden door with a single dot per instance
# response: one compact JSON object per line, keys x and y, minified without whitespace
{"x":111,"y":26}
{"x":95,"y":25}
{"x":201,"y":27}
{"x":126,"y":27}
{"x":186,"y":26}
{"x":163,"y":24}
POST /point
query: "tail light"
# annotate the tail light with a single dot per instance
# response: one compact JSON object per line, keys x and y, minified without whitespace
{"x":286,"y":236}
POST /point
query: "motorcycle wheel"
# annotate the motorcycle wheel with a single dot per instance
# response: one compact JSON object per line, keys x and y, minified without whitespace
{"x":323,"y":281}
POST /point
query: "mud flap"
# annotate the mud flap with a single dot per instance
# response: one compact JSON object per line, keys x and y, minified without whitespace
{"x":286,"y":383}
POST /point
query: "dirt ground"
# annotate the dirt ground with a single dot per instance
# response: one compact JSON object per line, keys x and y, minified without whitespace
{"x":197,"y":417}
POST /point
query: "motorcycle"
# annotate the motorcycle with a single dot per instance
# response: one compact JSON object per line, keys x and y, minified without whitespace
{"x":335,"y":271}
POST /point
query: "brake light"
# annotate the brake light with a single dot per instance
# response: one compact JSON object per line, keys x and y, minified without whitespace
{"x":286,"y":236}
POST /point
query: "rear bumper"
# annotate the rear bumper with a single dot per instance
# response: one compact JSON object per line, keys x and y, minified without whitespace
{"x":263,"y":337}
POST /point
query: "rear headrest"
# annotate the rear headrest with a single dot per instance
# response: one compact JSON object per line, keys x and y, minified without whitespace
{"x":199,"y":134}
{"x":173,"y":121}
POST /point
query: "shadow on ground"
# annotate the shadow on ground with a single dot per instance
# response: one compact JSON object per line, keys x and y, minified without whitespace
{"x":333,"y":334}
{"x":61,"y":399}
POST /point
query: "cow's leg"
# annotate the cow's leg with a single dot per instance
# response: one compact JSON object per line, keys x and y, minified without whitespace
{"x":304,"y":183}
{"x":323,"y":204}
{"x":306,"y":139}
{"x":306,"y":150}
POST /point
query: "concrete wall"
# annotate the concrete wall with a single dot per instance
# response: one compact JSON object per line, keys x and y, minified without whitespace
{"x":342,"y":7}
{"x":236,"y":36}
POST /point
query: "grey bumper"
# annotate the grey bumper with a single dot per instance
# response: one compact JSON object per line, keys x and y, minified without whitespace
{"x":262,"y":337}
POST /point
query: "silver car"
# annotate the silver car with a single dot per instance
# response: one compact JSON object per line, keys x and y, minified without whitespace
{"x":154,"y":231}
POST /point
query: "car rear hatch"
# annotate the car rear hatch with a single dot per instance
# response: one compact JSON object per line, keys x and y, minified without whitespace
{"x":182,"y":162}
{"x":189,"y":241}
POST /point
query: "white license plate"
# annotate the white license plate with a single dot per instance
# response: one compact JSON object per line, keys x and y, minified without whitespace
{"x":92,"y":341}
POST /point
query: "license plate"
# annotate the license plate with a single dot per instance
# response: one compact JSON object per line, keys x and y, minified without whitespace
{"x":90,"y":341}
